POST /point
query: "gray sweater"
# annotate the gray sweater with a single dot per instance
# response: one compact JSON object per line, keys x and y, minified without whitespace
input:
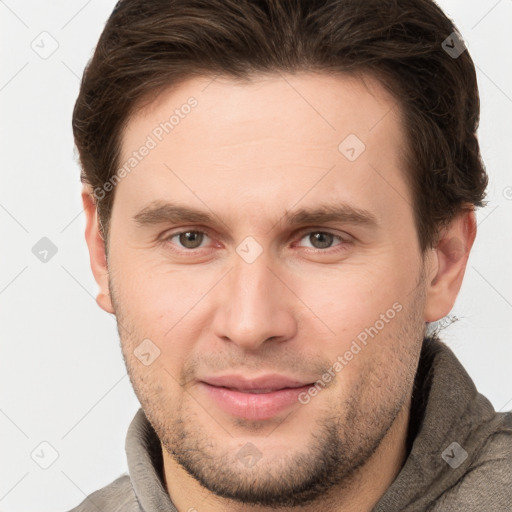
{"x":459,"y":451}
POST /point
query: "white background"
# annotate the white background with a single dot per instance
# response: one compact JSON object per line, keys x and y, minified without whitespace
{"x":62,"y":378}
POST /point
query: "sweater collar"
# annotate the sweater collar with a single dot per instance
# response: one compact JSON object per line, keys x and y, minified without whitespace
{"x":446,"y":408}
{"x":145,"y":463}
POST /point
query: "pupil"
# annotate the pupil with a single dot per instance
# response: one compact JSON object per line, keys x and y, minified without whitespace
{"x":187,"y":239}
{"x":323,"y":238}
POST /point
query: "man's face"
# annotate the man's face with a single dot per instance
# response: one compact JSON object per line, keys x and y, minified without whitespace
{"x":250,"y":294}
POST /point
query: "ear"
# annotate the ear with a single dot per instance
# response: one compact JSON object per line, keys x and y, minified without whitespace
{"x":448,"y":262}
{"x":97,"y":253}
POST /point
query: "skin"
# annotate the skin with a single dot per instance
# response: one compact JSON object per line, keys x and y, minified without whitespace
{"x":247,"y":154}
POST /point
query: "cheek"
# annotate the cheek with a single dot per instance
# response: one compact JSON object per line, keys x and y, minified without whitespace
{"x":164,"y":307}
{"x":359,"y":310}
{"x":352,"y":296}
{"x":150,"y":292}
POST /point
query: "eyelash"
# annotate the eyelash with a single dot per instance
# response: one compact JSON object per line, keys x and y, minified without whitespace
{"x":330,"y":250}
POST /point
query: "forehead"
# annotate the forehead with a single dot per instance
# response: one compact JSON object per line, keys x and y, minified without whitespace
{"x":273,"y":136}
{"x":326,"y":105}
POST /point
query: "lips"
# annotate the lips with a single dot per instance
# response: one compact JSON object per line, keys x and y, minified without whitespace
{"x":262,"y":384}
{"x":253,"y":399}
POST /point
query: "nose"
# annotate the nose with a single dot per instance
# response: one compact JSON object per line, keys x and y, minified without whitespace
{"x":255,"y":305}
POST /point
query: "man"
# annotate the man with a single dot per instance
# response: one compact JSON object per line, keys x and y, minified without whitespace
{"x":280,"y":201}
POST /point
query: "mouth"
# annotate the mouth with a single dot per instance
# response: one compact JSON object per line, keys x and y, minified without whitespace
{"x":257,"y":399}
{"x":256,"y":391}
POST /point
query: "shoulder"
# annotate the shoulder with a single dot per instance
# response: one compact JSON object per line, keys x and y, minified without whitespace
{"x":118,"y":496}
{"x":487,"y":482}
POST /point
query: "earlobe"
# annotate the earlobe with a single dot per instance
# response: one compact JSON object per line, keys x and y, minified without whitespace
{"x":97,"y":253}
{"x":448,"y":265}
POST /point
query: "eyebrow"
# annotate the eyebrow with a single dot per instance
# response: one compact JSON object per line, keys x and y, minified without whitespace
{"x":159,"y":212}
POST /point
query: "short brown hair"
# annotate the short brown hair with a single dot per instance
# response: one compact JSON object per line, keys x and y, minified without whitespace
{"x":148,"y":45}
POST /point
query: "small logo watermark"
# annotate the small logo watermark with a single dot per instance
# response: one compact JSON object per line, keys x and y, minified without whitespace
{"x":352,"y":147}
{"x":45,"y":45}
{"x":454,"y":45}
{"x":454,"y":455}
{"x":249,"y":249}
{"x":249,"y":455}
{"x":44,"y":455}
{"x":44,"y":250}
{"x":507,"y":193}
{"x":147,"y":352}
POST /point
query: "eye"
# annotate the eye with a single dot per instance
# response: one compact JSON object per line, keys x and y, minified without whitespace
{"x":319,"y":240}
{"x":188,"y":239}
{"x":323,"y":239}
